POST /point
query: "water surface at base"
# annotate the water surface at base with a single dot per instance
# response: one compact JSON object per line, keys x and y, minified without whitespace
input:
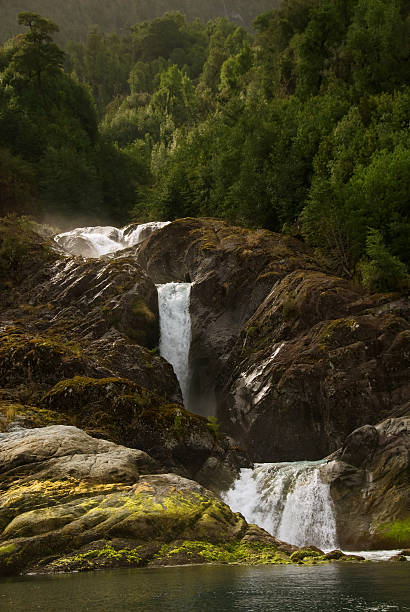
{"x":379,"y":587}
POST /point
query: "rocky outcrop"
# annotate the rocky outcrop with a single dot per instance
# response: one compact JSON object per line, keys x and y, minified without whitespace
{"x":317,"y":359}
{"x":370,"y":485}
{"x":122,"y":411}
{"x":65,"y":316}
{"x":89,"y":297}
{"x":71,"y":502}
{"x":232,"y":270}
{"x":290,"y":358}
{"x":59,"y":451}
{"x":32,"y":364}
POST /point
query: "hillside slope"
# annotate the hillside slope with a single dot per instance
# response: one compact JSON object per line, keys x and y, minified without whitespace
{"x":76,"y":16}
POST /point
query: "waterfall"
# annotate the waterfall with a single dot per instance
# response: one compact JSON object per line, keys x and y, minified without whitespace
{"x":175,"y":330}
{"x":132,"y":235}
{"x":289,"y":500}
{"x":101,"y":240}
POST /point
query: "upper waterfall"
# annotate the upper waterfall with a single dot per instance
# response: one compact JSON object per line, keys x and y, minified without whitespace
{"x":175,"y":330}
{"x":101,"y":240}
{"x":289,"y":500}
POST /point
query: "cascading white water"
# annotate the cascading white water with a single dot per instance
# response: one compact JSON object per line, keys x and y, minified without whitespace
{"x":101,"y":240}
{"x":132,"y":235}
{"x":175,"y":330}
{"x":289,"y":500}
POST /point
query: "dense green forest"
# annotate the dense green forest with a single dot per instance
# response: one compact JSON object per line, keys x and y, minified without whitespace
{"x":301,"y":126}
{"x":75,"y":17}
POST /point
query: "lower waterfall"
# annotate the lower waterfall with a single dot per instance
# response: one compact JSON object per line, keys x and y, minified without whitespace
{"x":289,"y":500}
{"x":175,"y":330}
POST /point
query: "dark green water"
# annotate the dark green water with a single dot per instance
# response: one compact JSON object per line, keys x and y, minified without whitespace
{"x":332,"y":588}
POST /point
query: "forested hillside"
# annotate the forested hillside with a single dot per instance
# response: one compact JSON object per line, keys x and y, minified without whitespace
{"x":301,"y":127}
{"x":75,"y":17}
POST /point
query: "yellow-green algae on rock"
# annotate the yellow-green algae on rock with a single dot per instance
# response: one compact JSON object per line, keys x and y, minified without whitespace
{"x":395,"y":533}
{"x":69,"y":501}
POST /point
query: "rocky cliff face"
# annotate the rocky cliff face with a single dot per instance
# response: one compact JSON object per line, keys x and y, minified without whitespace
{"x":315,"y":361}
{"x":78,"y":344}
{"x":370,"y":485}
{"x":289,"y":358}
{"x":232,"y":270}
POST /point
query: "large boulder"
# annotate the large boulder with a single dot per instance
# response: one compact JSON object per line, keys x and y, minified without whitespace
{"x":70,"y":502}
{"x":370,"y":485}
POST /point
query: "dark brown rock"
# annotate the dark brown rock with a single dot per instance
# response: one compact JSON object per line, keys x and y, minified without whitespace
{"x":370,"y":485}
{"x":399,"y":558}
{"x":120,"y":410}
{"x":290,"y":358}
{"x":232,"y":270}
{"x":309,"y":382}
{"x":334,"y":555}
{"x":89,"y":297}
{"x":66,"y":316}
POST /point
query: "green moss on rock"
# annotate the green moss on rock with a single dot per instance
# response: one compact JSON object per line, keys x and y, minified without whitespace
{"x":395,"y":533}
{"x":36,"y":362}
{"x":195,"y":551}
{"x":100,"y":558}
{"x":22,"y":250}
{"x":305,"y":553}
{"x":126,"y":413}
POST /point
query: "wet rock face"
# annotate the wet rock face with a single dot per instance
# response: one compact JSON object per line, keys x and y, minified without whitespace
{"x":71,"y":502}
{"x":89,"y":297}
{"x":370,"y":485}
{"x":316,"y":360}
{"x":67,"y":316}
{"x":289,"y":358}
{"x":232,"y":270}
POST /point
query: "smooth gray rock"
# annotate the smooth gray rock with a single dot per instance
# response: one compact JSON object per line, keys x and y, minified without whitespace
{"x":61,"y":451}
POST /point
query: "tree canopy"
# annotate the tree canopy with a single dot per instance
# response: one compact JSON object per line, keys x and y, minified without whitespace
{"x":301,"y":126}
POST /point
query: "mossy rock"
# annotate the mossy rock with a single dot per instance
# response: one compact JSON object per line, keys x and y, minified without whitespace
{"x":126,"y":413}
{"x":242,"y":552}
{"x":395,"y":534}
{"x":29,"y":416}
{"x":106,"y":556}
{"x":158,"y":508}
{"x":306,"y":553}
{"x":22,"y":250}
{"x":38,"y":361}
